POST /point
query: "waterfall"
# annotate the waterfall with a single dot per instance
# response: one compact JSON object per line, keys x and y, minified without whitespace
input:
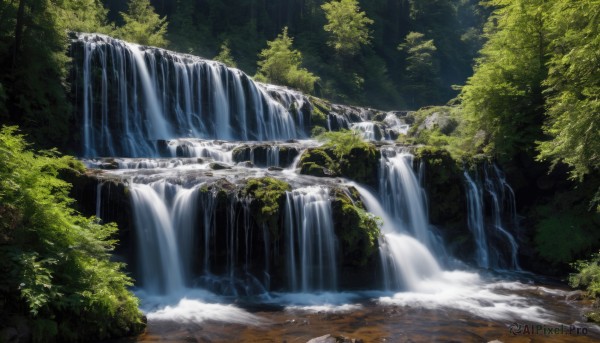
{"x":475,"y":221}
{"x":402,"y":196}
{"x":496,"y":246}
{"x":311,"y":241}
{"x":163,"y":221}
{"x":161,"y":95}
{"x":406,"y":261}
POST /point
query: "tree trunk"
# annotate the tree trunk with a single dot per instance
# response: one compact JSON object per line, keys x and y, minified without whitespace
{"x":19,"y":30}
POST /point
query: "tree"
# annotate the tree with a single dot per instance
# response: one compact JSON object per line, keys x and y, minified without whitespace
{"x":280,"y":64}
{"x":421,"y":69}
{"x":143,"y":25}
{"x":573,"y":86}
{"x":503,"y":98}
{"x":224,"y":55}
{"x":347,"y":25}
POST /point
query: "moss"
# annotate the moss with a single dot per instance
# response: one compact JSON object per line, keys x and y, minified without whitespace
{"x":361,"y":164}
{"x":357,"y":230}
{"x":342,"y":155}
{"x":268,"y":195}
{"x":321,"y":108}
{"x":317,"y":130}
{"x":443,"y":181}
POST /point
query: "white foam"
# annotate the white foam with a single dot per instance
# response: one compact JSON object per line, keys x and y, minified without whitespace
{"x":195,"y":306}
{"x":468,"y":292}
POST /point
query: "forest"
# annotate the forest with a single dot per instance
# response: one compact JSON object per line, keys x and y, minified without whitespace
{"x":519,"y":81}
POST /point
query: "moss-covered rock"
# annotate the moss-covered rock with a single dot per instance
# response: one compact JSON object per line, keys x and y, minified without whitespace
{"x":319,"y":113}
{"x":318,"y":162}
{"x":268,"y":197}
{"x":359,"y":162}
{"x":356,"y":229}
{"x":445,"y":192}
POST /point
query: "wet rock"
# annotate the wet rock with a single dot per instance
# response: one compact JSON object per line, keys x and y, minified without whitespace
{"x":323,"y":339}
{"x":219,"y":166}
{"x":246,"y":164}
{"x":275,"y":169}
{"x":575,"y":295}
{"x":334,"y":339}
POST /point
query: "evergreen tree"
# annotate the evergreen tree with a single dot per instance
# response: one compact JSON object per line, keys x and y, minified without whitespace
{"x":143,"y":25}
{"x":421,"y":70}
{"x":280,"y":64}
{"x":224,"y":55}
{"x":347,"y":24}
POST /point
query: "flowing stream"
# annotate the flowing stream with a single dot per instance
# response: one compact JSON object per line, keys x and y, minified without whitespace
{"x":169,"y":127}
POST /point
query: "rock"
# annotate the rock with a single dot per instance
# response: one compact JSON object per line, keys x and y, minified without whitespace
{"x":275,"y":169}
{"x":575,"y":295}
{"x":441,"y":121}
{"x":246,"y":164}
{"x":219,"y":166}
{"x":334,"y":339}
{"x":323,"y":339}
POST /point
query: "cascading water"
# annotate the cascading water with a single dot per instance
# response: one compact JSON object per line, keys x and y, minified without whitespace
{"x":202,"y":241}
{"x":161,"y":95}
{"x":159,"y":211}
{"x":402,"y":195}
{"x":310,"y":240}
{"x":496,"y":247}
{"x":406,"y":261}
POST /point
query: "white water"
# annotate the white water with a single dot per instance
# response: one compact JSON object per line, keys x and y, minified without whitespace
{"x":185,"y":101}
{"x":402,"y":195}
{"x":208,"y":100}
{"x":501,"y":252}
{"x":310,"y":240}
{"x":475,"y":221}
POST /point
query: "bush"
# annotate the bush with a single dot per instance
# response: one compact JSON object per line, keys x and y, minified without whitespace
{"x":55,"y":263}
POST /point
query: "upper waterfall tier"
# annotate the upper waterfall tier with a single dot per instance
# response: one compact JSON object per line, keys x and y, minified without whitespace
{"x":130,"y":96}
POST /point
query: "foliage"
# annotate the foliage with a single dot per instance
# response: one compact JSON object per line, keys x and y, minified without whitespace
{"x":280,"y":64}
{"x":566,"y":227}
{"x":343,"y":153}
{"x":267,"y":194}
{"x":143,"y":25}
{"x":573,"y":85}
{"x":421,"y":68}
{"x":347,"y":24}
{"x":503,"y":98}
{"x":342,"y":142}
{"x":588,"y":275}
{"x":224,"y":55}
{"x":441,"y":127}
{"x":84,"y":16}
{"x":56,"y":263}
{"x":357,"y":229}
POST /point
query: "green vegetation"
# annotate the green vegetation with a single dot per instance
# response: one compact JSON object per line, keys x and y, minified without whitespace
{"x":357,"y":229}
{"x":347,"y":25}
{"x":342,"y":142}
{"x":143,"y":25}
{"x":572,"y":87}
{"x":57,"y":275}
{"x":421,"y":69}
{"x":267,"y":194}
{"x":588,"y":277}
{"x":279,"y":64}
{"x":224,"y":55}
{"x":343,"y":153}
